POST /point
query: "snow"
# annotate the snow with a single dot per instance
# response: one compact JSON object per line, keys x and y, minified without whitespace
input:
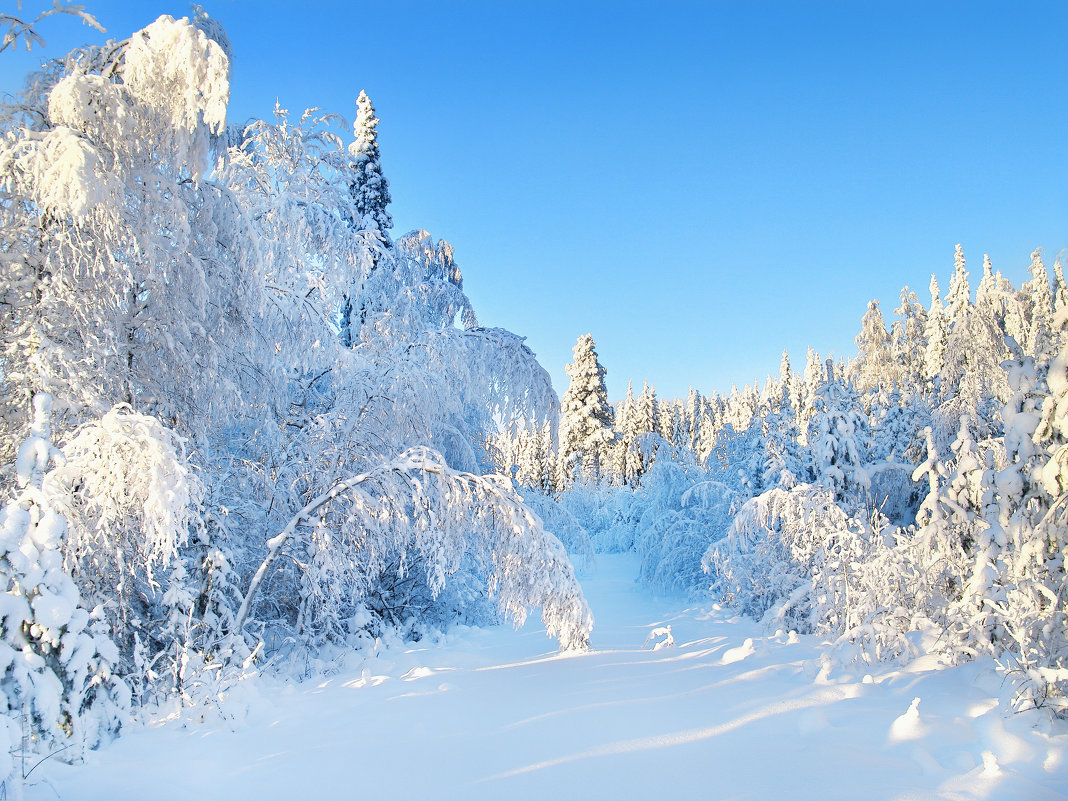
{"x":728,"y":712}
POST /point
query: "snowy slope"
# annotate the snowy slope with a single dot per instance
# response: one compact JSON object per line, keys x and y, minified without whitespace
{"x":724,"y":713}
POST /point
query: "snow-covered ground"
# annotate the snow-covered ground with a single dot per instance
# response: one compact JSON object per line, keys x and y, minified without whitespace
{"x":723,"y":713}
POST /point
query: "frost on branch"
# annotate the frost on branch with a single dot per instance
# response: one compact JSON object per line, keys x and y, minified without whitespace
{"x":416,"y":517}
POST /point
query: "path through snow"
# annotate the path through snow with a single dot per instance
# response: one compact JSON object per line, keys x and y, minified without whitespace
{"x":724,"y":713}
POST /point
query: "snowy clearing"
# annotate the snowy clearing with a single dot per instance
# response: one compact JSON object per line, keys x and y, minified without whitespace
{"x":725,"y":713}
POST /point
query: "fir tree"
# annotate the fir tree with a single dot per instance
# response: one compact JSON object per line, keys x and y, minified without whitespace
{"x":585,"y":416}
{"x":368,"y":186}
{"x":874,"y":364}
{"x":909,"y":341}
{"x":936,"y":334}
{"x":958,"y":299}
{"x":369,"y":191}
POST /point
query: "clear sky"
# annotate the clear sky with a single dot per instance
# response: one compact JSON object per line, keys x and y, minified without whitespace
{"x":698,"y":185}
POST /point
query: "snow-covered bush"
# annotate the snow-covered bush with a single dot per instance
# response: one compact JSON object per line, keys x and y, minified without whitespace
{"x":416,"y":513}
{"x":132,"y":500}
{"x":765,"y":564}
{"x":562,"y":524}
{"x":57,"y":662}
{"x":684,"y":513}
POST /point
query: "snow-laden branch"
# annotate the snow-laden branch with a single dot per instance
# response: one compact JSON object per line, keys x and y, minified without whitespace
{"x":418,"y":506}
{"x":19,"y":28}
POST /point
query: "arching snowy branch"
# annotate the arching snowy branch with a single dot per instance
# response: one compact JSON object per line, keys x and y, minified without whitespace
{"x":418,"y":507}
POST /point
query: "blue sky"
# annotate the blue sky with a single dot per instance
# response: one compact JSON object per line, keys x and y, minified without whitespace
{"x":698,"y":185}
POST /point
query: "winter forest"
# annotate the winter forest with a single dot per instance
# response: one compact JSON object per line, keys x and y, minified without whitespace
{"x":247,"y":427}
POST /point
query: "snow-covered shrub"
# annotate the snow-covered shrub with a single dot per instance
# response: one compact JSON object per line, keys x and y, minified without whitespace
{"x":764,"y":565}
{"x":57,"y":662}
{"x":132,"y":500}
{"x":685,"y":514}
{"x":416,"y":513}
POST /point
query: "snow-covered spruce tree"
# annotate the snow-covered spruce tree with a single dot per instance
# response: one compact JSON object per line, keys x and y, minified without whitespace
{"x":585,"y":417}
{"x":1034,"y":489}
{"x":874,"y":365}
{"x":1060,"y":292}
{"x":623,"y":462}
{"x":908,"y":342}
{"x":784,"y":462}
{"x":812,"y":378}
{"x":975,"y":627}
{"x":970,"y":380}
{"x":369,"y":190}
{"x":57,"y":662}
{"x":936,"y":333}
{"x":368,"y":186}
{"x":837,"y":435}
{"x":1040,"y":341}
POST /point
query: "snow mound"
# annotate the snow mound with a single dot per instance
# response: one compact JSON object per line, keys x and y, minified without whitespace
{"x":743,"y":651}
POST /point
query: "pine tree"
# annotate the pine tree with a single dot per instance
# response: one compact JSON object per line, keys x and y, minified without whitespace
{"x":585,"y":416}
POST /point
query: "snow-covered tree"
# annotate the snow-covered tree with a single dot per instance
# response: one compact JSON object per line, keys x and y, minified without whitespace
{"x":585,"y":416}
{"x":368,"y":186}
{"x":836,"y":436}
{"x":1040,"y":300}
{"x":116,"y":286}
{"x":936,"y":334}
{"x":958,"y":299}
{"x":874,"y":365}
{"x":369,"y":191}
{"x":58,"y":666}
{"x":1033,"y":486}
{"x":415,"y":513}
{"x":908,"y":341}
